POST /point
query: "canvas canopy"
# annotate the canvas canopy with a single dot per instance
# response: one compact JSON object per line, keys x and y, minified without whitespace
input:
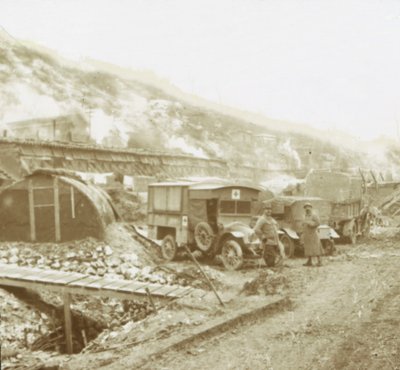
{"x":333,"y":186}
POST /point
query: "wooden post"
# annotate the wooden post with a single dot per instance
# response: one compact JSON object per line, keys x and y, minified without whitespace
{"x":57,"y":210}
{"x":151,"y":300}
{"x":205,"y":276}
{"x":72,"y":202}
{"x":84,"y":337}
{"x":31,"y":211}
{"x":68,"y":322}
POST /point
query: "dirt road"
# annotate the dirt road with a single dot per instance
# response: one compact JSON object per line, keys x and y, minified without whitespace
{"x":344,"y":315}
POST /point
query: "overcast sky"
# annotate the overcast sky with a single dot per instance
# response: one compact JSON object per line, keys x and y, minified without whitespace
{"x":332,"y":64}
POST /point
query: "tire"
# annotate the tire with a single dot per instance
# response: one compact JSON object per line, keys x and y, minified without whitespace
{"x":328,"y":246}
{"x":288,"y":245}
{"x":270,"y":255}
{"x":168,"y":248}
{"x":204,"y":236}
{"x":232,"y":255}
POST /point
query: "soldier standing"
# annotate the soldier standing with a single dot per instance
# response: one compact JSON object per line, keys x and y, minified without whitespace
{"x":266,"y":229}
{"x":312,"y":243}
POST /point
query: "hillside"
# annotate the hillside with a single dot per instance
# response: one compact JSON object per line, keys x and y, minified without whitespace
{"x":128,"y":112}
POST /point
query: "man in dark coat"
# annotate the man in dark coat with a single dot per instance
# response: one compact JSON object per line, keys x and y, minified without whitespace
{"x":312,"y":244}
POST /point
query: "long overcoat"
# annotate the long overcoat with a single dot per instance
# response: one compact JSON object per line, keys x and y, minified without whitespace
{"x":312,"y":243}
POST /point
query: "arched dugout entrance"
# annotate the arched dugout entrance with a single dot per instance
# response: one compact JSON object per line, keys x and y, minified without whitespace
{"x":46,"y":207}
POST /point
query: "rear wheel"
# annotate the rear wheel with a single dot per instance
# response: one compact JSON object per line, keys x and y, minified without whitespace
{"x":288,"y":244}
{"x":231,"y":255}
{"x":352,"y":237}
{"x":204,"y":236}
{"x":168,"y":248}
{"x":328,"y":246}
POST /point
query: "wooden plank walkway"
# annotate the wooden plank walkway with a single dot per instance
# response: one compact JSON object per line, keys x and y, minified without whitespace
{"x":76,"y":283}
{"x":69,"y":283}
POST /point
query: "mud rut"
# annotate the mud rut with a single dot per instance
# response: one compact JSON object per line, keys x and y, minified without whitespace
{"x":344,"y":315}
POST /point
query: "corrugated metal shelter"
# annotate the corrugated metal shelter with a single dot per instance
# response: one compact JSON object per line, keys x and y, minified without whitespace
{"x":49,"y":206}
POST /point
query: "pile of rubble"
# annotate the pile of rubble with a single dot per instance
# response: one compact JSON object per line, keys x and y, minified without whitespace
{"x":20,"y":323}
{"x":87,"y":256}
{"x":94,"y":258}
{"x":118,"y":257}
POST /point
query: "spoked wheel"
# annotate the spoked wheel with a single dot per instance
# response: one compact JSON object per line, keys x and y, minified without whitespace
{"x":288,"y":244}
{"x":204,"y":236}
{"x":168,"y":248}
{"x":328,"y":245}
{"x":232,"y":255}
{"x":271,"y":255}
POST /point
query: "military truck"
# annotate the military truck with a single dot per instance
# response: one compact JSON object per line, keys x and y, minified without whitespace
{"x":212,"y":217}
{"x":345,"y":194}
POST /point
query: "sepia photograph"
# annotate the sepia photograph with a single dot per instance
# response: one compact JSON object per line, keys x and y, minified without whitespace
{"x":189,"y":185}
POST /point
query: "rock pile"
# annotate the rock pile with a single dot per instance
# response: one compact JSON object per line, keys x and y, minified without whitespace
{"x":98,"y":258}
{"x":87,"y":257}
{"x":20,"y":323}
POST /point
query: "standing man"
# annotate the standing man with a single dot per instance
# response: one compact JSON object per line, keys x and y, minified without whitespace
{"x":266,"y":229}
{"x":312,"y":244}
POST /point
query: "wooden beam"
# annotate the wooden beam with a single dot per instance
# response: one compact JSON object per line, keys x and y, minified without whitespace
{"x":31,"y":211}
{"x":72,"y":202}
{"x":205,"y":276}
{"x":68,"y":322}
{"x":43,"y":205}
{"x":57,"y":210}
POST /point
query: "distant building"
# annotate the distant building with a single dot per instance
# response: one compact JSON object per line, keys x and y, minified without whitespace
{"x":69,"y":128}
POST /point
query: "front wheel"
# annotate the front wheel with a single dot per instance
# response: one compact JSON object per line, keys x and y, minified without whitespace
{"x":288,"y":244}
{"x":231,"y":255}
{"x":168,"y":248}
